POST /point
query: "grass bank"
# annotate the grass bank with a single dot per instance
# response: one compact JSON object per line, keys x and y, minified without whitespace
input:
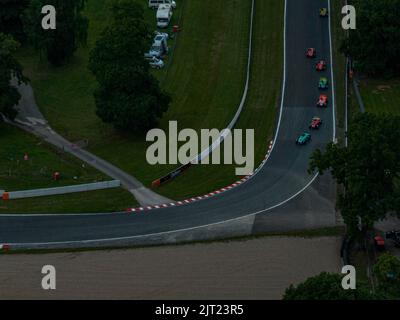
{"x":206,"y":79}
{"x":19,"y":174}
{"x":380,"y":95}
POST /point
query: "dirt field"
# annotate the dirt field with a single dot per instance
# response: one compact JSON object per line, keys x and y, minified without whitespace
{"x":253,"y":269}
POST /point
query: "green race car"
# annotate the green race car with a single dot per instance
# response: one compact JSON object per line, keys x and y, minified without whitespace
{"x":304,"y":139}
{"x":323,"y":83}
{"x":323,"y":12}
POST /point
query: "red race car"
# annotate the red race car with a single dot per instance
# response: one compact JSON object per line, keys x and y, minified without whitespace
{"x":315,"y":123}
{"x":311,"y":53}
{"x":323,"y":101}
{"x":321,"y":65}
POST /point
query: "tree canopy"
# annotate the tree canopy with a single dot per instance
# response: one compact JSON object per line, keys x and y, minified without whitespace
{"x":10,"y":17}
{"x":369,"y":169}
{"x":9,"y":69}
{"x":387,"y":271}
{"x":375,"y":44}
{"x":128,"y":96}
{"x":326,"y":286}
{"x":60,"y":44}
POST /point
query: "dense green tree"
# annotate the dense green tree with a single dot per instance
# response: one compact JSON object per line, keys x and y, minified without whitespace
{"x":375,"y":44}
{"x":327,"y":286}
{"x":387,"y":271}
{"x":128,"y":96}
{"x":10,"y":17}
{"x":10,"y":69}
{"x":60,"y":44}
{"x":369,"y":169}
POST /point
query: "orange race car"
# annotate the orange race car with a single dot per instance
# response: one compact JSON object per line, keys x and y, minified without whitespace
{"x":321,"y":65}
{"x":323,"y":101}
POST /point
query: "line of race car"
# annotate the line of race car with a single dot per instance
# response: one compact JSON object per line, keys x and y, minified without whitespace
{"x":323,"y":84}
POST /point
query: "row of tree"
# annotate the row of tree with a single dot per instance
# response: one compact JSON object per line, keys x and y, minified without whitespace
{"x":128,"y":96}
{"x":368,"y":169}
{"x":375,"y":44}
{"x":328,"y":286}
{"x":10,"y":70}
{"x":22,"y":19}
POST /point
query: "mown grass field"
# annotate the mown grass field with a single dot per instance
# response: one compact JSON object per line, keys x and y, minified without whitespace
{"x":18,"y":174}
{"x":206,"y":80}
{"x":381,"y":96}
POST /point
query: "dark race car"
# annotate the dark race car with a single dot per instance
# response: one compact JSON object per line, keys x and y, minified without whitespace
{"x":311,"y":53}
{"x":323,"y":83}
{"x":304,"y":139}
{"x":315,"y":123}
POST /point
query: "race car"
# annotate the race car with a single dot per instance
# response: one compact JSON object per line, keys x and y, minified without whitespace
{"x":303,"y":139}
{"x":321,"y":65}
{"x":315,"y":123}
{"x":323,"y":101}
{"x":323,"y":12}
{"x":311,"y":53}
{"x":323,"y":83}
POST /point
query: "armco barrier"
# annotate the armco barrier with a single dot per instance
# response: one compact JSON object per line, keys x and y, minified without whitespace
{"x":61,"y":190}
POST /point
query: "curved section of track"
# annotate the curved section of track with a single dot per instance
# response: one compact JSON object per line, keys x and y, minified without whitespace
{"x":282,"y":177}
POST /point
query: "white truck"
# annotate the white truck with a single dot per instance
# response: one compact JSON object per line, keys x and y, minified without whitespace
{"x":164,"y":15}
{"x":154,"y":4}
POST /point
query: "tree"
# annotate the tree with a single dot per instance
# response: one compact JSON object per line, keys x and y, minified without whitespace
{"x":10,"y":69}
{"x":387,"y":271}
{"x":128,"y":96}
{"x":327,"y":286}
{"x":375,"y":44}
{"x":369,"y":170}
{"x":10,"y":17}
{"x":60,"y":44}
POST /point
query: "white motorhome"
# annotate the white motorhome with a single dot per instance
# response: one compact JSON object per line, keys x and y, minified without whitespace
{"x":154,"y":4}
{"x":164,"y":15}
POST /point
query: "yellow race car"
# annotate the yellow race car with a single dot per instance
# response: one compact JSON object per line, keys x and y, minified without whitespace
{"x":323,"y":12}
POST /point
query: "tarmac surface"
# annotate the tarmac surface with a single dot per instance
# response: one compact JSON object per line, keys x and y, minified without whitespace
{"x":276,"y":194}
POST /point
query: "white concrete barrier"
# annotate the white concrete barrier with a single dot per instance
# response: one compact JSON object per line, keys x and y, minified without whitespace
{"x":63,"y":190}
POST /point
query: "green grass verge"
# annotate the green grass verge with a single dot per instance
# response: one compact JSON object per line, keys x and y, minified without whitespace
{"x":17,"y":174}
{"x":111,"y":200}
{"x":206,"y":80}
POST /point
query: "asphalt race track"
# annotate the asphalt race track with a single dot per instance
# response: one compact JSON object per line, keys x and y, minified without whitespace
{"x":283,"y":176}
